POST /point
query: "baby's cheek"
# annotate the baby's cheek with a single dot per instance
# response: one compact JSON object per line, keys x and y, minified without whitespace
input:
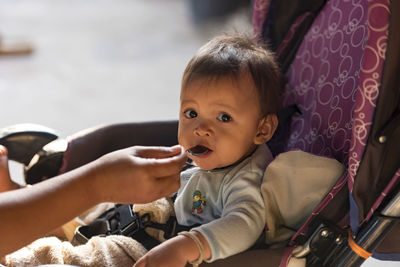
{"x":181,"y":139}
{"x":183,"y":135}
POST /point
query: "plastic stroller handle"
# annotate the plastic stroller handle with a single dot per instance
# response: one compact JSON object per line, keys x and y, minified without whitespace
{"x":23,"y":141}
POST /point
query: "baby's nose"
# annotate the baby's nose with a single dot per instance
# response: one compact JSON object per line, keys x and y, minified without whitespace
{"x":202,"y":130}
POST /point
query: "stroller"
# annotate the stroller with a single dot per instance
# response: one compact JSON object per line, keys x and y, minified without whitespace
{"x":339,"y":60}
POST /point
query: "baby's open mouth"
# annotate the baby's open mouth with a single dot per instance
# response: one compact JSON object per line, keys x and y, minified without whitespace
{"x":198,"y":150}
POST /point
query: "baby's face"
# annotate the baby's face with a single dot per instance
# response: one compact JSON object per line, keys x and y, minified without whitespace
{"x":218,"y":121}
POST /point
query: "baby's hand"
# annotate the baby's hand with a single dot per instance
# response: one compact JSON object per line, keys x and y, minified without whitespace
{"x":175,"y":252}
{"x":6,"y":184}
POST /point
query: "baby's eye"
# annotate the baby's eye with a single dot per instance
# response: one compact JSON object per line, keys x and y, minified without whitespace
{"x":190,"y":114}
{"x":224,"y":117}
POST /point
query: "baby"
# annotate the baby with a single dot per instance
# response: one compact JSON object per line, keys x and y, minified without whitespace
{"x":229,"y":100}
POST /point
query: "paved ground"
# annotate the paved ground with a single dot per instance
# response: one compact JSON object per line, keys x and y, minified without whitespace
{"x":100,"y":61}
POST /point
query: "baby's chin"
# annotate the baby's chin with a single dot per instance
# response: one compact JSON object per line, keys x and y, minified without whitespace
{"x":207,"y":166}
{"x":203,"y":165}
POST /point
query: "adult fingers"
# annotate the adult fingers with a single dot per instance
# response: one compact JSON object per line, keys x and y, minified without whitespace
{"x":5,"y":180}
{"x":157,"y":152}
{"x":166,"y":166}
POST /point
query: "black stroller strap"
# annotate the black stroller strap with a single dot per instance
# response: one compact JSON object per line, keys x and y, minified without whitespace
{"x":121,"y":220}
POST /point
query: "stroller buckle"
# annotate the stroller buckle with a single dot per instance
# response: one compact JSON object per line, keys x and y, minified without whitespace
{"x":128,"y":221}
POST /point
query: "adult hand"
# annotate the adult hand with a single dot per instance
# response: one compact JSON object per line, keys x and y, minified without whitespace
{"x":132,"y":175}
{"x":139,"y":174}
{"x":6,"y":184}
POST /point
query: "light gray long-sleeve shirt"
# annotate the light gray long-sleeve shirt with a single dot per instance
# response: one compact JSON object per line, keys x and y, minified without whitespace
{"x":226,"y":202}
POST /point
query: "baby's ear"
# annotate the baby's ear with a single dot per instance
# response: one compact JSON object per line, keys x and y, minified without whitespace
{"x":266,"y":129}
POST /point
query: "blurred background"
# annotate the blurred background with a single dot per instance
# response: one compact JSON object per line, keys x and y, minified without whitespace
{"x":104,"y":61}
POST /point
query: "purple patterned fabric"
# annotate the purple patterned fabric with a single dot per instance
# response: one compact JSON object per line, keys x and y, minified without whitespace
{"x":369,"y":82}
{"x":323,"y":79}
{"x":334,"y":79}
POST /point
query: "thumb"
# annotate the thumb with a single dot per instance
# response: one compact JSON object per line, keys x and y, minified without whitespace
{"x":3,"y":157}
{"x":5,"y":180}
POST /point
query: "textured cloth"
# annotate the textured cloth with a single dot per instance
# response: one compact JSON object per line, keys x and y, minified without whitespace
{"x":99,"y":251}
{"x":115,"y":250}
{"x":226,"y":202}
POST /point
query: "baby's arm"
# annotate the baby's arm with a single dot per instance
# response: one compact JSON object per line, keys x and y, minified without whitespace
{"x":176,"y":252}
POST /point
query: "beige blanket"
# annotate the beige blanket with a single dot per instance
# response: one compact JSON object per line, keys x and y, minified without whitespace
{"x":107,"y":251}
{"x":99,"y":251}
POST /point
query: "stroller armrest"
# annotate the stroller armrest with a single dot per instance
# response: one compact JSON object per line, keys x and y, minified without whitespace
{"x":36,"y":147}
{"x":23,"y":141}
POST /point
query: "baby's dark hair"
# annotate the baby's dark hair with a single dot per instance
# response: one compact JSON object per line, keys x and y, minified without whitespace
{"x":231,"y":55}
